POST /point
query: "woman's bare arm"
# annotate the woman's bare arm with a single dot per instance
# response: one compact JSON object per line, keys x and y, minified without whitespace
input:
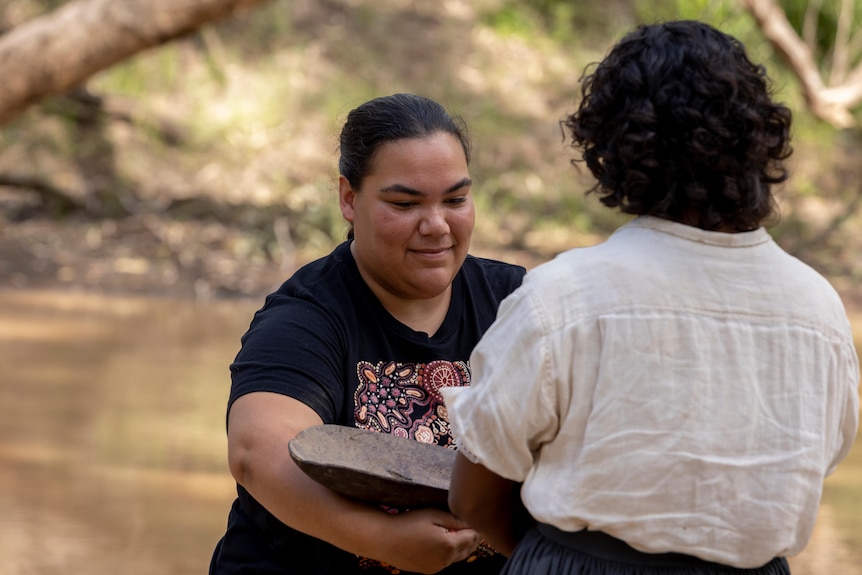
{"x":260,"y":425}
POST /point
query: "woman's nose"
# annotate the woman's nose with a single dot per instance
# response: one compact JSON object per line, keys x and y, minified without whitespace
{"x":434,"y":222}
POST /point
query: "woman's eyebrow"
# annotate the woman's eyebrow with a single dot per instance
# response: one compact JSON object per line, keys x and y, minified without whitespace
{"x":402,"y":189}
{"x":466,"y":182}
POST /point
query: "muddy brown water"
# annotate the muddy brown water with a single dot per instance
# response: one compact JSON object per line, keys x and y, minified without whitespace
{"x":112,"y":444}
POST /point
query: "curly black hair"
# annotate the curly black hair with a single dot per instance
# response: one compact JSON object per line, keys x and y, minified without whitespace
{"x":677,"y":122}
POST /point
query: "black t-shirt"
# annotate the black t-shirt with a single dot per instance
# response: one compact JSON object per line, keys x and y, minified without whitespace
{"x":325,"y":339}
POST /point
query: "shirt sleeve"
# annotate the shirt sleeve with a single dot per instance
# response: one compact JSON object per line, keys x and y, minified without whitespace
{"x":295,"y":348}
{"x":509,"y":410}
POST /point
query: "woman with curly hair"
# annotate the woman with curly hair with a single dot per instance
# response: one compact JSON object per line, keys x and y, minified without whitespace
{"x":670,"y":400}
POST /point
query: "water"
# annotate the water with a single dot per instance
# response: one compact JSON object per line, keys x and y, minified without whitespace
{"x":112,"y":441}
{"x":113,"y":450}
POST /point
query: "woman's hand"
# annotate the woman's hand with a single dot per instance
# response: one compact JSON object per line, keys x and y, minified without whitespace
{"x":426,"y":541}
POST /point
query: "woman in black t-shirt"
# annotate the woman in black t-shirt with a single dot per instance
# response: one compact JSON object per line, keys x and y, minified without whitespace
{"x":365,"y":337}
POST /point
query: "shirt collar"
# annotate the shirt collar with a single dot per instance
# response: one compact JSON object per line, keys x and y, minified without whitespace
{"x":736,"y":240}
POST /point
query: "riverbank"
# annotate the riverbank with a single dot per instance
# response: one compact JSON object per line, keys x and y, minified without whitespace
{"x":145,"y":255}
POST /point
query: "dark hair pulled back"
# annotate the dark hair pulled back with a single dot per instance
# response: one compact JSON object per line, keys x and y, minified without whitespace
{"x":387,"y":119}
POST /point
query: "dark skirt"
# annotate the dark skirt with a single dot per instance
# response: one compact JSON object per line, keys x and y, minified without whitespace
{"x":545,"y":550}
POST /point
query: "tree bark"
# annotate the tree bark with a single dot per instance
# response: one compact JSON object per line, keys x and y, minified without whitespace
{"x":829,"y":103}
{"x":58,"y":51}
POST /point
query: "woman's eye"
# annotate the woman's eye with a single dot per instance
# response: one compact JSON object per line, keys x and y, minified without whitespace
{"x":457,"y":200}
{"x":403,"y":204}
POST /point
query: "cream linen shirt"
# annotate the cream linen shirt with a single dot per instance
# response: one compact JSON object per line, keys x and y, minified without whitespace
{"x":679,"y":389}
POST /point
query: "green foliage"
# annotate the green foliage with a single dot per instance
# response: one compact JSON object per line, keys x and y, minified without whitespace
{"x":271,"y":26}
{"x":512,"y":19}
{"x":567,"y":22}
{"x":156,"y":71}
{"x":558,"y":17}
{"x":817,"y":21}
{"x":715,"y":12}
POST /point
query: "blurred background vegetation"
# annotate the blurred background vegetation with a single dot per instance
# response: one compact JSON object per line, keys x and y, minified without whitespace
{"x":207,"y":166}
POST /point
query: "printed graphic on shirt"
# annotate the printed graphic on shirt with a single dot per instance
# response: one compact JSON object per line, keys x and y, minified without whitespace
{"x":404,"y":398}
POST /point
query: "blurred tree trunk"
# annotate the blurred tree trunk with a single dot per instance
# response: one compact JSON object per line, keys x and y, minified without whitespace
{"x":831,"y":102}
{"x":828,"y":64}
{"x":60,"y":50}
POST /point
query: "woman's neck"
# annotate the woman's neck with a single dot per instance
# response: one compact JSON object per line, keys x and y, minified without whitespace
{"x":423,"y":315}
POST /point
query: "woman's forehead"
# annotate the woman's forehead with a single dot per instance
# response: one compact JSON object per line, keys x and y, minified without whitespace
{"x":441,"y":154}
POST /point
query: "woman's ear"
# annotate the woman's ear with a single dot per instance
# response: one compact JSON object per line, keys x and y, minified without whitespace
{"x":346,"y":199}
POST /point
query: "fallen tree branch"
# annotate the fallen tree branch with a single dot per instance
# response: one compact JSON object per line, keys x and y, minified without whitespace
{"x":53,"y":53}
{"x":829,"y":103}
